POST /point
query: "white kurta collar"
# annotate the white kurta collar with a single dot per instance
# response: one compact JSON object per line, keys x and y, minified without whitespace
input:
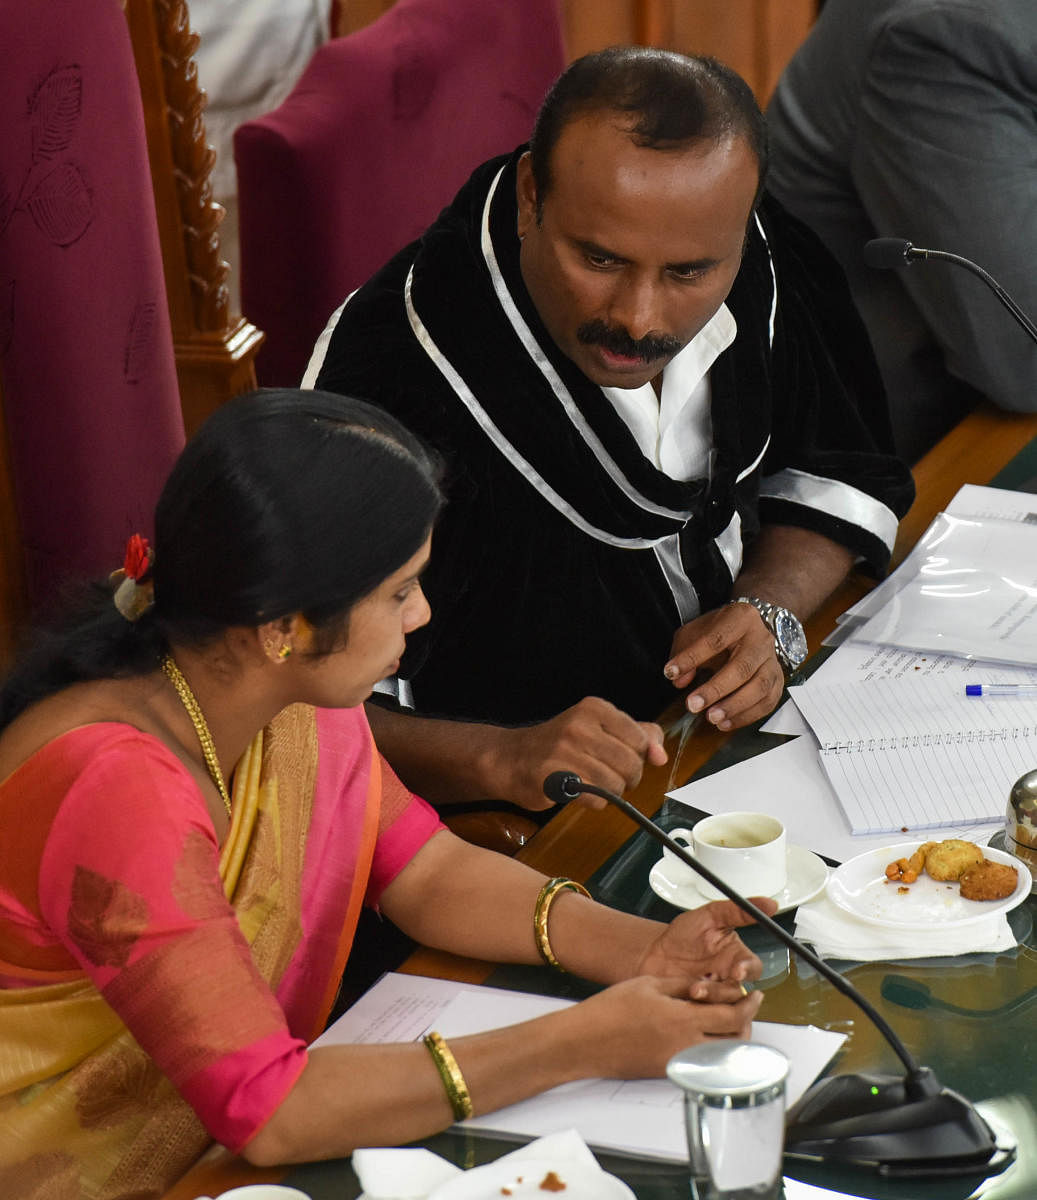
{"x":676,"y":433}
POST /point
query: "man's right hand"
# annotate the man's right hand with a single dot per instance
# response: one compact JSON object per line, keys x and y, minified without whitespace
{"x":594,"y":739}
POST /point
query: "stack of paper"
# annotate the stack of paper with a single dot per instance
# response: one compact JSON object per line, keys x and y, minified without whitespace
{"x":642,"y":1117}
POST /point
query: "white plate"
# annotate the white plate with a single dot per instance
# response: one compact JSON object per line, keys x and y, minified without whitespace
{"x":522,"y":1178}
{"x":806,"y":876}
{"x":860,"y":887}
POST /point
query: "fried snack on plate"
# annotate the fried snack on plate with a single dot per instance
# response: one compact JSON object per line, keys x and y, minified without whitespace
{"x":989,"y":881}
{"x":907,"y":870}
{"x":950,"y":859}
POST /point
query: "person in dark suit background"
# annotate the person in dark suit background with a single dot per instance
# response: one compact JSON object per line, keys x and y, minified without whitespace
{"x":918,"y":119}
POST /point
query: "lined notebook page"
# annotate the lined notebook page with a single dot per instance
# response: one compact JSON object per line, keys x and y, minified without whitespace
{"x":917,"y":754}
{"x":894,"y":791}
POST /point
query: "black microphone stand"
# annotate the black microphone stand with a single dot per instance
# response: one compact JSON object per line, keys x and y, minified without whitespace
{"x":897,"y":1125}
{"x":885,"y":253}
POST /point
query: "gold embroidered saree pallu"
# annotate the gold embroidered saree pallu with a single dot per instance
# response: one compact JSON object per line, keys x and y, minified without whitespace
{"x":84,"y":1111}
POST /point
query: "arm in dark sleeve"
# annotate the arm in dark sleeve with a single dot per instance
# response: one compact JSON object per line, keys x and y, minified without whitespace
{"x":830,"y":465}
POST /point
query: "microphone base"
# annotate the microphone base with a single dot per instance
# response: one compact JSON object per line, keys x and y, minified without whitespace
{"x":894,"y":1125}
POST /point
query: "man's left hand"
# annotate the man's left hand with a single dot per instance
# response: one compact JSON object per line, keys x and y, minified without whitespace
{"x":735,"y":645}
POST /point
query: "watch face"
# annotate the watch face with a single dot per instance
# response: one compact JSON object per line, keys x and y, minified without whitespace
{"x":791,"y":638}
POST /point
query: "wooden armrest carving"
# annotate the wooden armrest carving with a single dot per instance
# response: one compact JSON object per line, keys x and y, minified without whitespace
{"x":215,"y":351}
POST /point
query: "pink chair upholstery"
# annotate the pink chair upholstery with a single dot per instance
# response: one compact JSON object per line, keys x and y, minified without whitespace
{"x":378,"y":134}
{"x":86,"y":355}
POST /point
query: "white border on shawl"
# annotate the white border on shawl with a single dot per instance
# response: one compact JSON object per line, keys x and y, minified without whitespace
{"x":756,"y":461}
{"x":398,"y":688}
{"x":498,"y":439}
{"x":668,"y":552}
{"x":729,"y":542}
{"x":834,"y":498}
{"x":774,"y":279}
{"x":320,"y":349}
{"x":543,"y":364}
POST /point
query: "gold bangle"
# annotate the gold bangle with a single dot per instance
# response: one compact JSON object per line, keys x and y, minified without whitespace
{"x":450,"y":1073}
{"x":543,"y":908}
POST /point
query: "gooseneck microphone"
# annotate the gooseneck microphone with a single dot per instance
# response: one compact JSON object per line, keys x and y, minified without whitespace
{"x":912,"y":993}
{"x":897,"y":1125}
{"x":889,"y":252}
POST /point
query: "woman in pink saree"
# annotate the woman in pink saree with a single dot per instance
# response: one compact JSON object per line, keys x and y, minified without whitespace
{"x":194,"y":814}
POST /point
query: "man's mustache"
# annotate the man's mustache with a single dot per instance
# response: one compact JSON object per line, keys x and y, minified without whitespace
{"x":618,"y":341}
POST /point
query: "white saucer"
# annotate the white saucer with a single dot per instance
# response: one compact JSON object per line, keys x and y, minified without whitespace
{"x":807,"y":875}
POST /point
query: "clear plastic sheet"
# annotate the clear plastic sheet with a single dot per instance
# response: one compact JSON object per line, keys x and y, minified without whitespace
{"x":968,"y":589}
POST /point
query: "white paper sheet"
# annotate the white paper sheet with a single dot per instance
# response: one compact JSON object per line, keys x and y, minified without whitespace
{"x":787,"y":720}
{"x":642,"y":1117}
{"x":394,"y":1010}
{"x":861,"y":661}
{"x":865,"y":662}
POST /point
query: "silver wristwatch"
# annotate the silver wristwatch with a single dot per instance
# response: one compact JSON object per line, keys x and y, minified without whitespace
{"x":790,"y":642}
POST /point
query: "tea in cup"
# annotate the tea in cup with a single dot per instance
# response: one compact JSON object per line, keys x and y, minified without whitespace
{"x":746,"y":850}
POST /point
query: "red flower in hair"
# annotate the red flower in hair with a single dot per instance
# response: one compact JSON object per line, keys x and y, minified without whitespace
{"x":137,"y":562}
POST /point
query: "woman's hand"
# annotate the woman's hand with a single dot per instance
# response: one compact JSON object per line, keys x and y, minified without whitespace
{"x":702,"y":946}
{"x":634,"y":1028}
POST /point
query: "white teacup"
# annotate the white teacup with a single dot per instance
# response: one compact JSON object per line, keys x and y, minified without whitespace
{"x":744,"y":849}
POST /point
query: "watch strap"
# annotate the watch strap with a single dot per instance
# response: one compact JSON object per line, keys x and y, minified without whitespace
{"x":770,"y":613}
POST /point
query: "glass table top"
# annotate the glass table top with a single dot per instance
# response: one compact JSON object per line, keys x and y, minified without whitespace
{"x":968,"y":1018}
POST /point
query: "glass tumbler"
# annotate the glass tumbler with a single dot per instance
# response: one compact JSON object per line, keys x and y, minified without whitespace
{"x":734,"y":1111}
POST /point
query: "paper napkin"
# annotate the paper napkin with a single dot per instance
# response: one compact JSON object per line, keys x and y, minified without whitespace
{"x":407,"y":1174}
{"x":412,"y":1174}
{"x":837,"y":934}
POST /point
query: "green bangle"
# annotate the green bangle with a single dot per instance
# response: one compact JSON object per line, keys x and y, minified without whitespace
{"x":453,"y":1081}
{"x":543,"y":908}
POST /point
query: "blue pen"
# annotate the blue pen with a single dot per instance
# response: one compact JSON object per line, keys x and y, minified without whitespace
{"x":1001,"y":689}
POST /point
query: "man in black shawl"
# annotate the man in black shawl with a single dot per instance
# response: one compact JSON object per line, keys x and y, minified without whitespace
{"x":662,"y":423}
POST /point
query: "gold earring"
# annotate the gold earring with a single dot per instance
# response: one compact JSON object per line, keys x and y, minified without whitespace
{"x":284,"y":652}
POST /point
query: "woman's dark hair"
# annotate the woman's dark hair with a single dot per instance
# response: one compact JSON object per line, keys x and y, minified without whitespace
{"x":284,"y":502}
{"x":672,"y":100}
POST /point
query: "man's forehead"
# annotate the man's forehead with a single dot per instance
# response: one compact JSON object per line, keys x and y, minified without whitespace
{"x":679,"y":207}
{"x":602,"y":148}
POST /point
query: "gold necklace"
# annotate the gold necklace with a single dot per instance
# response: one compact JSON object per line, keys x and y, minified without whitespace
{"x":194,"y":711}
